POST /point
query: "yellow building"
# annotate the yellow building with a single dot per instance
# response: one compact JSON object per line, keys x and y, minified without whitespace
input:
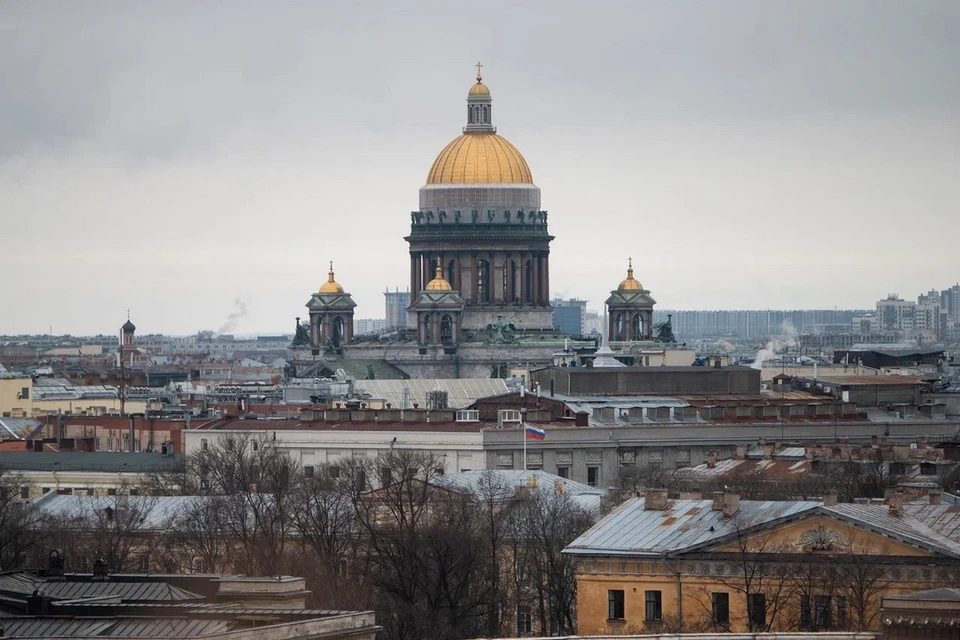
{"x":693,"y":565}
{"x":16,"y":397}
{"x":26,"y":398}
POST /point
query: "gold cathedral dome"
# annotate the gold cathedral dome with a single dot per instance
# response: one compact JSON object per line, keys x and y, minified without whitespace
{"x":438,"y":283}
{"x":630,"y":283}
{"x":479,"y":156}
{"x":331,"y":285}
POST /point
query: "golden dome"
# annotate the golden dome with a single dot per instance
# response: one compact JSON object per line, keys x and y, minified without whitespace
{"x":438,"y":283}
{"x":477,"y":158}
{"x":331,"y":285}
{"x":479,"y":89}
{"x":630,"y":283}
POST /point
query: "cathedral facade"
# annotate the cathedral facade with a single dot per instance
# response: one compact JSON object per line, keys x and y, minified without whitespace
{"x":479,"y":248}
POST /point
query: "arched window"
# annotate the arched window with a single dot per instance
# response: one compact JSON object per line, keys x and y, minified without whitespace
{"x":452,"y":274}
{"x":338,"y":331}
{"x":636,"y":328}
{"x":483,"y":281}
{"x":446,"y":329}
{"x":618,"y":327}
{"x":469,"y":114}
{"x":486,"y":115}
{"x":511,"y":293}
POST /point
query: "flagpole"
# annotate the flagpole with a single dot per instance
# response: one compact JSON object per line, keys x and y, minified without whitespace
{"x":523,"y":421}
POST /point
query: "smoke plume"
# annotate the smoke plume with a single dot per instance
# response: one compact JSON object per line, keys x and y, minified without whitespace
{"x":239,"y":312}
{"x":786,"y":340}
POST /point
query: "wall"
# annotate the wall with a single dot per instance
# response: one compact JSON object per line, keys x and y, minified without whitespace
{"x":459,"y":451}
{"x":648,"y":380}
{"x":10,"y":405}
{"x":715,"y":571}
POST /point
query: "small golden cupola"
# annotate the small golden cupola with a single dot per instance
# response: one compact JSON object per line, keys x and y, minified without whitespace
{"x":331,"y":285}
{"x":438,"y":283}
{"x":630,"y":283}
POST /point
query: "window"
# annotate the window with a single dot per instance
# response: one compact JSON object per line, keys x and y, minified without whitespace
{"x":897,"y":469}
{"x":615,"y":604}
{"x":386,"y":476}
{"x":308,"y":471}
{"x":721,"y":607}
{"x":24,"y":492}
{"x":25,"y":393}
{"x":483,"y":281}
{"x":46,"y":490}
{"x":593,"y":476}
{"x":335,"y":472}
{"x":757,"y":610}
{"x":652,"y":606}
{"x":256,"y":445}
{"x":804,"y":612}
{"x":524,"y":620}
{"x":824,"y":609}
{"x":111,"y":492}
{"x":928,"y":469}
{"x":563,"y":472}
{"x":841,"y":612}
{"x":203,"y":444}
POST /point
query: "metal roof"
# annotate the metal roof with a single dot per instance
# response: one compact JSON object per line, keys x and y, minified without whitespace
{"x":25,"y":584}
{"x":632,"y":530}
{"x":159,"y":510}
{"x":460,"y":393}
{"x":502,"y":484}
{"x":943,"y":518}
{"x":85,"y":461}
{"x":685,"y":524}
{"x":111,"y":627}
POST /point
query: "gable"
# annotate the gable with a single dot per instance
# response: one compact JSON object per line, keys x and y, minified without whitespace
{"x":823,"y":535}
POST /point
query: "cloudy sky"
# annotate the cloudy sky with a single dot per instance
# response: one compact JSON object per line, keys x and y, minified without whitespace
{"x":172,"y":158}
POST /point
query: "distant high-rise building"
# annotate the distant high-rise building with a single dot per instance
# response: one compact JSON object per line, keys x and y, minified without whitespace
{"x":950,"y":302}
{"x":569,"y":316}
{"x":369,"y":325}
{"x":396,"y":309}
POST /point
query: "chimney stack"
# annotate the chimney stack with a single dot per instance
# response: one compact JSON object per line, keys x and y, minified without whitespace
{"x":896,"y":505}
{"x":934,"y":495}
{"x":711,"y":459}
{"x":830,"y":500}
{"x":741,"y":452}
{"x":731,"y":504}
{"x":717,"y":501}
{"x":655,"y":500}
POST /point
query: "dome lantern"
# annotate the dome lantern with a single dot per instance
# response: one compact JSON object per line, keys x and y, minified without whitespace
{"x":479,"y":107}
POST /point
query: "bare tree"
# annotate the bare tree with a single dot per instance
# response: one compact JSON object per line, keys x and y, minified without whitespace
{"x":17,"y":523}
{"x":548,"y":523}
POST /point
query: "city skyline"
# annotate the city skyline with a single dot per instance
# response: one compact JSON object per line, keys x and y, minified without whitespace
{"x":176,"y":159}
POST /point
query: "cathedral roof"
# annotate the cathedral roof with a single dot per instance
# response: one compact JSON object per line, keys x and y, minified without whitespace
{"x":438,"y":283}
{"x":331,"y":285}
{"x":630,"y":283}
{"x":479,"y":156}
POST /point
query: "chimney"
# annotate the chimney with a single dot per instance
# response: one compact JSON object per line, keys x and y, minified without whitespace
{"x":711,"y":459}
{"x":896,"y":505}
{"x":934,"y":495}
{"x":560,"y":487}
{"x":768,"y":450}
{"x":741,"y":452}
{"x":731,"y":504}
{"x":655,"y":500}
{"x":717,"y":501}
{"x":100,"y":572}
{"x":830,"y":500}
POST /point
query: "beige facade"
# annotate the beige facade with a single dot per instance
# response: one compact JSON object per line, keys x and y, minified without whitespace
{"x":16,"y":397}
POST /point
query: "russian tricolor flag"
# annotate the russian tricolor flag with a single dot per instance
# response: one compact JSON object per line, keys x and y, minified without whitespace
{"x":533,"y":433}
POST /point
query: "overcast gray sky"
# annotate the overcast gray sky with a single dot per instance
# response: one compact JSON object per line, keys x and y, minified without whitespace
{"x":172,"y":157}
